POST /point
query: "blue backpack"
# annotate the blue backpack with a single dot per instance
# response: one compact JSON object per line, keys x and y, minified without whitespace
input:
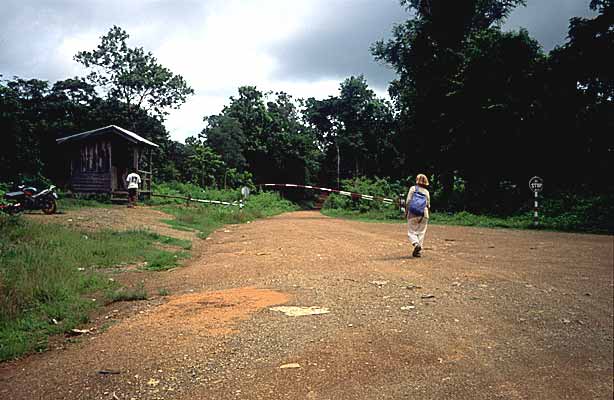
{"x":417,"y":204}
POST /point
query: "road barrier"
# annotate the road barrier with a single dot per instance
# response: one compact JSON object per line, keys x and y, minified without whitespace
{"x":353,"y":195}
{"x":239,"y":203}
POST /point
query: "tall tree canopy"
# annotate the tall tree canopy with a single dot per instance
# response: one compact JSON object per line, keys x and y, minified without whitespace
{"x":429,"y":53}
{"x":355,"y":129}
{"x":263,"y":134}
{"x":133,"y":75}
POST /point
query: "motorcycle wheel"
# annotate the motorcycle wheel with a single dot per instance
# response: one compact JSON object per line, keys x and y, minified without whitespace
{"x":49,"y":206}
{"x":13,"y":209}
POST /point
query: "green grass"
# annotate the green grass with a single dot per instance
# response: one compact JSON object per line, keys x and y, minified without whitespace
{"x":461,"y":218}
{"x":164,"y":260}
{"x":563,"y":223}
{"x":47,"y":273}
{"x":464,"y":218}
{"x":207,"y":218}
{"x":367,"y":216}
{"x":125,"y":294}
{"x":170,"y":241}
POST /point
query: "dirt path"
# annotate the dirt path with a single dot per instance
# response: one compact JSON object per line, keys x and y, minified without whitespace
{"x":485,"y":314}
{"x":118,"y":218}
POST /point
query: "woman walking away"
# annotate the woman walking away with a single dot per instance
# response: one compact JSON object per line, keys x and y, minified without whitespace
{"x":418,"y":203}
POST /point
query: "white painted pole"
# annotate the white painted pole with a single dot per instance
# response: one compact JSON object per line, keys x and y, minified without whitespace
{"x":535,"y":212}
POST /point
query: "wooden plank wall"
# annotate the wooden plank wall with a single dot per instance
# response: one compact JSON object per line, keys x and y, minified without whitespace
{"x":91,"y":182}
{"x":94,"y":157}
{"x":91,"y":170}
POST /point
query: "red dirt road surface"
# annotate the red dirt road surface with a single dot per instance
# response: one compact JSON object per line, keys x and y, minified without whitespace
{"x":485,"y":314}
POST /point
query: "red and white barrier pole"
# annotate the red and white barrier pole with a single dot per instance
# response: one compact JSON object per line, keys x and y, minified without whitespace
{"x":353,"y":195}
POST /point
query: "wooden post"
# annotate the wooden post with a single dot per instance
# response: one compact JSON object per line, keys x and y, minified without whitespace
{"x":135,"y":157}
{"x":109,"y":148}
{"x":150,"y":168}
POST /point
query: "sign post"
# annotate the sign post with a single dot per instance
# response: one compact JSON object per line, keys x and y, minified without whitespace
{"x":244,"y":196}
{"x":536,"y":184}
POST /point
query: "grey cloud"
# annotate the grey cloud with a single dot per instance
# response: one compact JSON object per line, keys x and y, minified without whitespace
{"x":32,"y":31}
{"x":336,"y":43}
{"x":548,"y":20}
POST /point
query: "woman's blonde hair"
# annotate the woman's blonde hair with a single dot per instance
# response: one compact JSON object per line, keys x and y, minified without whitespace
{"x":421,"y":179}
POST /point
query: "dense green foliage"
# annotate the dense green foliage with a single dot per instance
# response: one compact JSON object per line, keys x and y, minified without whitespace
{"x":477,"y":109}
{"x":491,"y":108}
{"x":263,"y":134}
{"x":574,"y":213}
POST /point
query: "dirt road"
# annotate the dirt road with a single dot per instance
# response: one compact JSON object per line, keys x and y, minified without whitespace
{"x":485,"y":314}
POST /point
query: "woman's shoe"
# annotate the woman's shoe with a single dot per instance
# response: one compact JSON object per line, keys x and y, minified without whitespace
{"x":417,"y":250}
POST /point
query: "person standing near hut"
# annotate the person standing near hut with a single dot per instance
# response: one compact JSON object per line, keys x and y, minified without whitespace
{"x":417,"y":207}
{"x":134,"y":180}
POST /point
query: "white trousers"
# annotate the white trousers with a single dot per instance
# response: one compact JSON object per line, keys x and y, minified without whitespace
{"x":416,"y":229}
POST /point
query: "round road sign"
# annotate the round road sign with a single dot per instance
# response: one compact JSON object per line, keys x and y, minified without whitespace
{"x":536,"y":184}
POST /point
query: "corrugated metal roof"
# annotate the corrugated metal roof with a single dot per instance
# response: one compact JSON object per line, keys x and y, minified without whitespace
{"x":133,"y":137}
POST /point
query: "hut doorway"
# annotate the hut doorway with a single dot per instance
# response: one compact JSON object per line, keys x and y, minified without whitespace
{"x":121,"y":162}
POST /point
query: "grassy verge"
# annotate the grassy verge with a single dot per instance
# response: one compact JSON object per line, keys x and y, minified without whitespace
{"x":367,"y":216}
{"x":123,"y":294}
{"x":207,"y":218}
{"x":49,"y":273}
{"x":552,"y":223}
{"x":485,"y":221}
{"x":461,"y":218}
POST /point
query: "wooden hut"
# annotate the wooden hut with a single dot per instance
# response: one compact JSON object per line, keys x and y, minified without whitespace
{"x":101,"y":159}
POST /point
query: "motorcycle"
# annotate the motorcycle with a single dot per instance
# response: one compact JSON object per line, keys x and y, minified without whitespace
{"x":29,"y":198}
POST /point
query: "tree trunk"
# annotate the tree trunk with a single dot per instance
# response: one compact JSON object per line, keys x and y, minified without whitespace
{"x":447,"y":184}
{"x":338,"y":166}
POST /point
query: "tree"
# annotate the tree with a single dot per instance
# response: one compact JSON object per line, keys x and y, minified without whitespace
{"x":133,"y":76}
{"x":225,"y":135}
{"x":579,"y":104}
{"x":203,"y":164}
{"x":355,"y":128}
{"x":428,"y":53}
{"x":263,"y":137}
{"x":495,"y":118}
{"x":21,"y":103}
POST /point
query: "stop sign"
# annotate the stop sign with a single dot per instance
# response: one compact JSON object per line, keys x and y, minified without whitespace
{"x":536,"y":184}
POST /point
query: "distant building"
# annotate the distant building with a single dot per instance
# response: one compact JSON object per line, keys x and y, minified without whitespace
{"x":101,"y":159}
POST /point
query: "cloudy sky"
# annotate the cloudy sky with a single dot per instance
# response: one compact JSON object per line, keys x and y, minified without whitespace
{"x":304,"y":47}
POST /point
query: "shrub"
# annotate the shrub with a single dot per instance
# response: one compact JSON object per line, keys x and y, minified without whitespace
{"x":374,"y":187}
{"x":191,"y":190}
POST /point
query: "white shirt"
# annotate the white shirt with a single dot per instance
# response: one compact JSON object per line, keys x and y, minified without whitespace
{"x":134,"y":180}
